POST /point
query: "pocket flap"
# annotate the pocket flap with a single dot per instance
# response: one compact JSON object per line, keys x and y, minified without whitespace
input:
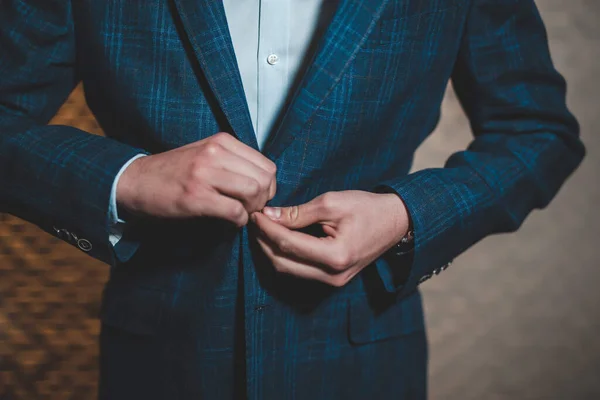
{"x":134,"y":309}
{"x":368,"y":324}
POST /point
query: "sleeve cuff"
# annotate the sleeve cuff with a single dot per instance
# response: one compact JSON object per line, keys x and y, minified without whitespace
{"x":124,"y":249}
{"x":386,"y":274}
{"x":114,"y":216}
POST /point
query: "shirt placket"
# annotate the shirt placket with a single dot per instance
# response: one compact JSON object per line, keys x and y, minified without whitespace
{"x":272,"y":63}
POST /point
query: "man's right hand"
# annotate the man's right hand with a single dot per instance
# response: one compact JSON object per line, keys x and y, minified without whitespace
{"x":216,"y":177}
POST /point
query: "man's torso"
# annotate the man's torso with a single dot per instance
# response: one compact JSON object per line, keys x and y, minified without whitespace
{"x":165,"y":74}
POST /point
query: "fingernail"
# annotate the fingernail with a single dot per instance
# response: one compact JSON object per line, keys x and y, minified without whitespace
{"x":272,"y":212}
{"x":253,"y":217}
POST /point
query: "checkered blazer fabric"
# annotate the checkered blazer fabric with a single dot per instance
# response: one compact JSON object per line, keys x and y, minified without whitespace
{"x":192,"y":308}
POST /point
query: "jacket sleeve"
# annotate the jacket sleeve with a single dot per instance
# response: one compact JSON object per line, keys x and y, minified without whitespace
{"x":56,"y":177}
{"x":526,"y":142}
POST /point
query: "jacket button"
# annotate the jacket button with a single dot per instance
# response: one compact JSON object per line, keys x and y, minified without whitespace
{"x":84,"y":244}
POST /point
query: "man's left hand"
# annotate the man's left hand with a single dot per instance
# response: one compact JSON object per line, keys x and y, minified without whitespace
{"x":359,"y":227}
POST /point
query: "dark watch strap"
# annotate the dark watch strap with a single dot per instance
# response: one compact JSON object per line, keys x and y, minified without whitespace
{"x":400,"y":258}
{"x":405,"y":245}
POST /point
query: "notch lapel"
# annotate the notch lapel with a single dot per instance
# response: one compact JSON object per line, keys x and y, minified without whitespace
{"x":205,"y":24}
{"x":352,"y":22}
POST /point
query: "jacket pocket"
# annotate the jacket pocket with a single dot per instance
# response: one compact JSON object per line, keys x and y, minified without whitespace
{"x":135,"y":309}
{"x":367,"y":324}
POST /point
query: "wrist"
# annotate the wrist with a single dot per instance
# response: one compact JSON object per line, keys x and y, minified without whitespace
{"x":399,"y":256}
{"x":397,"y":212}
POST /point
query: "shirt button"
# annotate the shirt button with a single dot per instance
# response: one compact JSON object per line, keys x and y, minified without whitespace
{"x":273,"y":59}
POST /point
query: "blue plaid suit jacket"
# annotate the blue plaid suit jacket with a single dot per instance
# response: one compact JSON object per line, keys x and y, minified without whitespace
{"x":192,"y":308}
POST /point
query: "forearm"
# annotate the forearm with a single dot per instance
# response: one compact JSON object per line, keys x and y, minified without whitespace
{"x":526,"y":141}
{"x":57,"y":177}
{"x":60,"y":178}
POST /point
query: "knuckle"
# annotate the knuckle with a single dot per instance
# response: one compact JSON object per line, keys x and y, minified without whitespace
{"x":220,"y":137}
{"x":238,"y":212}
{"x":272,"y":169}
{"x":253,"y":188}
{"x":293,"y":213}
{"x":272,"y":192}
{"x":340,"y":260}
{"x":213,"y":149}
{"x":284,"y":245}
{"x":243,"y":220}
{"x":328,"y":201}
{"x":239,"y":215}
{"x":265,"y":182}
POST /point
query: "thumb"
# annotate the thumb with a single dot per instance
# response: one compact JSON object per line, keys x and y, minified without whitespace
{"x":295,"y":217}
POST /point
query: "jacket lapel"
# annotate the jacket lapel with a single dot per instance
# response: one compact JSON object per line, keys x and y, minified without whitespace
{"x":205,"y":24}
{"x":352,"y":22}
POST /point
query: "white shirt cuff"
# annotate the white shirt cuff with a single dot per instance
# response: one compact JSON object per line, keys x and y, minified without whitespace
{"x":115,"y":224}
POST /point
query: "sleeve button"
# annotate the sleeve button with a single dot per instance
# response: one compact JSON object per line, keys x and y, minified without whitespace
{"x":84,"y":245}
{"x":64,"y":234}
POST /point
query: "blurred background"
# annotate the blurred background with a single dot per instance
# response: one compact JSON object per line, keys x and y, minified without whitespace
{"x":515,"y":317}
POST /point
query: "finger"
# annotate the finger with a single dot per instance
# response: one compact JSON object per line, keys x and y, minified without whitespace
{"x":325,"y":252}
{"x":299,"y":216}
{"x":302,"y":270}
{"x":241,"y":187}
{"x":219,"y":206}
{"x":273,"y":188}
{"x":233,"y":162}
{"x":247,"y":152}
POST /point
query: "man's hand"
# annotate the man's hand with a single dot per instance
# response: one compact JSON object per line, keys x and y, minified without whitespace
{"x":217,"y":177}
{"x":360,"y":226}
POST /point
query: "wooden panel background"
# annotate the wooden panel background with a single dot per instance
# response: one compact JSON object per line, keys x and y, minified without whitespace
{"x":49,"y":296}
